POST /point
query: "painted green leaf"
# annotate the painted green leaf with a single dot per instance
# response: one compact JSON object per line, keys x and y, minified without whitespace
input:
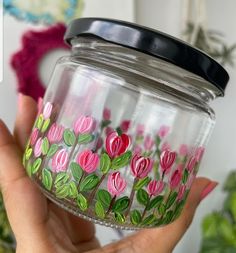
{"x":73,"y":190}
{"x":119,"y":217}
{"x":69,"y":137}
{"x":52,"y":150}
{"x":170,"y":201}
{"x":45,"y":125}
{"x":105,"y":163}
{"x":185,"y":176}
{"x":36,"y":165}
{"x":105,"y":123}
{"x":154,"y":203}
{"x":99,"y":210}
{"x":121,"y":204}
{"x":45,"y":146}
{"x":39,"y":121}
{"x":142,"y":197}
{"x":121,"y":161}
{"x":149,"y":220}
{"x":161,"y":209}
{"x":82,"y":202}
{"x":141,"y":183}
{"x":61,"y":179}
{"x":62,"y":191}
{"x":28,"y":153}
{"x":135,"y":217}
{"x":89,"y":182}
{"x":168,"y":217}
{"x":47,"y":179}
{"x":85,"y":138}
{"x":179,"y":208}
{"x":29,"y":169}
{"x":76,"y":171}
{"x":104,"y":197}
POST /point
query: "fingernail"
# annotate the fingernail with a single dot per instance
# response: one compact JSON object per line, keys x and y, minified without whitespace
{"x":208,"y":189}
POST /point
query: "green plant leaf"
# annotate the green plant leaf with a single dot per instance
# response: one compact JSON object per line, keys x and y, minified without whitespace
{"x":82,"y":202}
{"x":28,"y":153}
{"x":142,"y":197}
{"x":45,"y":146}
{"x":47,"y":178}
{"x":62,"y":191}
{"x":121,"y":161}
{"x":154,"y":203}
{"x":161,"y":209}
{"x":149,"y":220}
{"x":89,"y":182}
{"x":99,"y":210}
{"x":105,"y":163}
{"x":45,"y":125}
{"x":185,"y":176}
{"x":76,"y":171}
{"x":230,"y":183}
{"x":210,"y":225}
{"x":85,"y":138}
{"x":69,"y":137}
{"x":121,"y":204}
{"x":39,"y":121}
{"x":225,"y":229}
{"x":52,"y":150}
{"x":232,"y":204}
{"x":104,"y":197}
{"x":135,"y":217}
{"x":141,"y":183}
{"x":36,"y":165}
{"x":61,"y":179}
{"x":73,"y":190}
{"x":170,"y":201}
{"x":119,"y":217}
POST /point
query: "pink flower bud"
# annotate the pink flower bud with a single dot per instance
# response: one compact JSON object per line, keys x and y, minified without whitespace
{"x":47,"y":110}
{"x":181,"y":192}
{"x":38,"y":148}
{"x":60,"y":161}
{"x":137,"y":150}
{"x":155,"y":187}
{"x":140,"y":166}
{"x":108,"y":130}
{"x":191,"y":164}
{"x":34,"y":136}
{"x":55,"y":133}
{"x":140,"y":130}
{"x":148,"y":142}
{"x":175,"y":179}
{"x":183,"y":150}
{"x":116,"y":184}
{"x":106,"y":114}
{"x":116,"y":145}
{"x":167,"y":159}
{"x":199,"y":153}
{"x":88,"y":161}
{"x":83,"y":125}
{"x":165,"y":146}
{"x":125,"y":124}
{"x":163,"y":131}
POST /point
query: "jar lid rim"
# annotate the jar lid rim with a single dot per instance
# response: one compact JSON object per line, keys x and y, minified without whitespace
{"x":151,"y":42}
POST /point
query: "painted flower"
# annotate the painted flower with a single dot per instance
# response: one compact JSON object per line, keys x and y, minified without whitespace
{"x":163,"y":131}
{"x":199,"y":153}
{"x":106,"y":114}
{"x":181,"y":192}
{"x":140,"y":130}
{"x":191,"y":163}
{"x":140,"y":166}
{"x":84,"y":125}
{"x":167,"y":159}
{"x":148,"y":142}
{"x":47,"y":110}
{"x":155,"y":187}
{"x":99,"y":143}
{"x":60,"y":161}
{"x":116,"y":184}
{"x":175,"y":179}
{"x":183,"y":150}
{"x":191,"y":178}
{"x":55,"y":133}
{"x":34,"y":136}
{"x":137,"y":150}
{"x":38,"y":148}
{"x":108,"y":130}
{"x":124,"y":126}
{"x":88,"y":160}
{"x":165,"y":146}
{"x":116,"y":145}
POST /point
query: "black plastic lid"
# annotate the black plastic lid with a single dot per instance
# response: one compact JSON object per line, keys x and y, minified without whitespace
{"x":151,"y":42}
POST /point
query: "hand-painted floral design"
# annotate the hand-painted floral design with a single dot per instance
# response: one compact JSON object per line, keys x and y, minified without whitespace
{"x":155,"y":187}
{"x":47,"y":110}
{"x":116,"y":184}
{"x":88,"y":160}
{"x":148,"y":142}
{"x":163,"y":131}
{"x":84,"y":125}
{"x":175,"y":179}
{"x":34,"y":136}
{"x":55,"y":133}
{"x":124,"y":126}
{"x":167,"y":159}
{"x":106,"y":114}
{"x":140,"y":166}
{"x":38,"y":148}
{"x":60,"y":161}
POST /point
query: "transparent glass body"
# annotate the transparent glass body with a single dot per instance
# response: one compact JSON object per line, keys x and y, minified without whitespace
{"x":119,"y":135}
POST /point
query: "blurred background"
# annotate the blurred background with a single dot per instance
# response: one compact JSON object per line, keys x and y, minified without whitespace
{"x":208,"y":24}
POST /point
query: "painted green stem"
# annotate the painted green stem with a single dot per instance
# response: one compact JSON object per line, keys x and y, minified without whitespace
{"x":145,"y":209}
{"x":110,"y":206}
{"x":131,"y":198}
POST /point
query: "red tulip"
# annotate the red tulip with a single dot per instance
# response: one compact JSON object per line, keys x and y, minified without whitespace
{"x":88,"y":160}
{"x":116,"y":184}
{"x":140,"y":166}
{"x":116,"y":145}
{"x":106,"y":114}
{"x":60,"y":161}
{"x":175,"y":179}
{"x":84,"y":125}
{"x":155,"y":187}
{"x":167,"y":159}
{"x":125,"y":124}
{"x":55,"y":133}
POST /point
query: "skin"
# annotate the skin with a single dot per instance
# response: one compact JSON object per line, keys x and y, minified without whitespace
{"x":40,"y":226}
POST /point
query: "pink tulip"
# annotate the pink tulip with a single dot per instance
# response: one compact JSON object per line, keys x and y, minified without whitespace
{"x":116,"y":145}
{"x":165,"y":146}
{"x":155,"y":187}
{"x":99,"y":143}
{"x":125,"y":124}
{"x":47,"y":110}
{"x":83,"y":125}
{"x":34,"y":136}
{"x":137,"y":150}
{"x":88,"y":161}
{"x":140,"y":166}
{"x":140,"y":130}
{"x":148,"y":142}
{"x":106,"y":114}
{"x":191,"y":164}
{"x":108,"y":130}
{"x":55,"y":133}
{"x":167,"y":159}
{"x":199,"y":153}
{"x":60,"y":161}
{"x":183,"y":150}
{"x":175,"y":179}
{"x":116,"y":184}
{"x":38,"y":148}
{"x":163,"y":131}
{"x":181,"y":192}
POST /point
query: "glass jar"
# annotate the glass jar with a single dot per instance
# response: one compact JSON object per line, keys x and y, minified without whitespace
{"x":124,"y":123}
